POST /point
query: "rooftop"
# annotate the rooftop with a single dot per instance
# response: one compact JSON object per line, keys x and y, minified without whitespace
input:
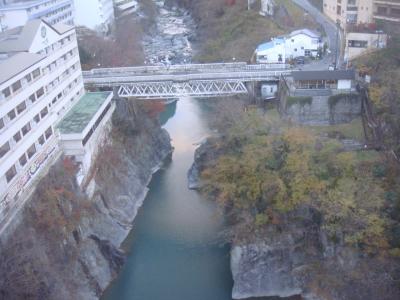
{"x":62,"y":28}
{"x":78,"y":118}
{"x":17,"y":64}
{"x":305,"y":31}
{"x":269,"y":45}
{"x":20,"y":38}
{"x":324,"y":75}
{"x":265,"y":46}
{"x":22,"y":4}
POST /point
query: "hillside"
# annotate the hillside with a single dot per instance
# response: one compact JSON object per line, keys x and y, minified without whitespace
{"x":384,"y":90}
{"x":227,"y":30}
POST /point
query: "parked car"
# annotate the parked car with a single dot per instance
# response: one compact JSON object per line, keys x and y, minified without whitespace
{"x":300,"y":60}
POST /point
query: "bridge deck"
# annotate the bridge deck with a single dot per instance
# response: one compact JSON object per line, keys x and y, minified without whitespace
{"x":178,"y":80}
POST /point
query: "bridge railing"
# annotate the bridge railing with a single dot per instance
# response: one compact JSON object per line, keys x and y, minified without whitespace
{"x":215,"y":67}
{"x":243,"y":76}
{"x":166,"y":68}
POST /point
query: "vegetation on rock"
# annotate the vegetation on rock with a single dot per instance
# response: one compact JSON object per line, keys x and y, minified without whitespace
{"x":265,"y":175}
{"x":384,"y":91}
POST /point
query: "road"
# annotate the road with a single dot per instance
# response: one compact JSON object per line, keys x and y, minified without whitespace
{"x":331,"y":32}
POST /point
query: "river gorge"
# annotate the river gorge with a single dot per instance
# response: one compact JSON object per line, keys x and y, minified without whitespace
{"x":136,"y":229}
{"x":174,"y":249}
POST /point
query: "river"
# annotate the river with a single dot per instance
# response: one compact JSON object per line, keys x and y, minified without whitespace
{"x":174,"y":250}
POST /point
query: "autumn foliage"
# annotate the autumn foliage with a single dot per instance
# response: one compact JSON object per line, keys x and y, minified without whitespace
{"x":268,"y":175}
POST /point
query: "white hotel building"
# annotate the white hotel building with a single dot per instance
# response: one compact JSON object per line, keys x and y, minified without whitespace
{"x":94,"y":14}
{"x":43,"y":109}
{"x":52,"y":11}
{"x":40,"y":79}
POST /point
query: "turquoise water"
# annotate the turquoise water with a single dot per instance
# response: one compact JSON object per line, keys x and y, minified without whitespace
{"x":174,"y":248}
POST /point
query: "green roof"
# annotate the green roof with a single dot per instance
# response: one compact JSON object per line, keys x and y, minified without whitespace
{"x":82,"y":113}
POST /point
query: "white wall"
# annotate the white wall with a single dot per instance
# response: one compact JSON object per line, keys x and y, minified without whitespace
{"x":53,"y":115}
{"x":268,"y":90}
{"x":296,"y":45}
{"x":272,"y":55}
{"x":344,"y":84}
{"x":374,"y":41}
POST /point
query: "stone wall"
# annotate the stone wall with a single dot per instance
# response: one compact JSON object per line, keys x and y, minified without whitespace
{"x":323,"y":110}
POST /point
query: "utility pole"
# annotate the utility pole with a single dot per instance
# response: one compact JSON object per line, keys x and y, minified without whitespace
{"x":337,"y":43}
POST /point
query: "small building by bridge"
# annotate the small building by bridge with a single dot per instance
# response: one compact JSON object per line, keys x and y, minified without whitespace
{"x":83,"y":130}
{"x":320,"y":97}
{"x":323,"y":80}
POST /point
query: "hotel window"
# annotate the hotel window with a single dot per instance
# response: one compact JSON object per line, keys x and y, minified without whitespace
{"x":36,"y":73}
{"x":26,"y":128}
{"x":39,"y":93}
{"x":16,"y":86}
{"x":44,"y":112}
{"x":31,"y":151}
{"x":32,"y":98}
{"x":28,"y":78}
{"x":21,"y":107}
{"x":41,"y":140}
{"x":23,"y":160}
{"x":4,"y":149}
{"x":48,"y":133}
{"x":6,"y":92}
{"x":10,"y":174}
{"x":1,"y":123}
{"x":12,"y":115}
{"x":36,"y":119}
{"x":17,"y":137}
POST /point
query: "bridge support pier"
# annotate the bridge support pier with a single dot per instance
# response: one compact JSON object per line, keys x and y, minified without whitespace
{"x":115,"y":92}
{"x":251,"y":87}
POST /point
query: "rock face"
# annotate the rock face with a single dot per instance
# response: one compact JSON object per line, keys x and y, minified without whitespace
{"x":273,"y":264}
{"x":264,"y":271}
{"x":65,"y":243}
{"x":205,"y":154}
{"x":200,"y":157}
{"x":296,"y":259}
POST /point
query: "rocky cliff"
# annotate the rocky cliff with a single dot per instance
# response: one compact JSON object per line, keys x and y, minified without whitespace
{"x":295,"y":258}
{"x":65,"y":243}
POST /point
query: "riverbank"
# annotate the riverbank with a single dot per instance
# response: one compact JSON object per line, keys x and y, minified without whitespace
{"x":65,"y":243}
{"x":301,"y":209}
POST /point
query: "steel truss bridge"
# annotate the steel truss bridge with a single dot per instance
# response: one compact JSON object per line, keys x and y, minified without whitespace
{"x":197,"y":80}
